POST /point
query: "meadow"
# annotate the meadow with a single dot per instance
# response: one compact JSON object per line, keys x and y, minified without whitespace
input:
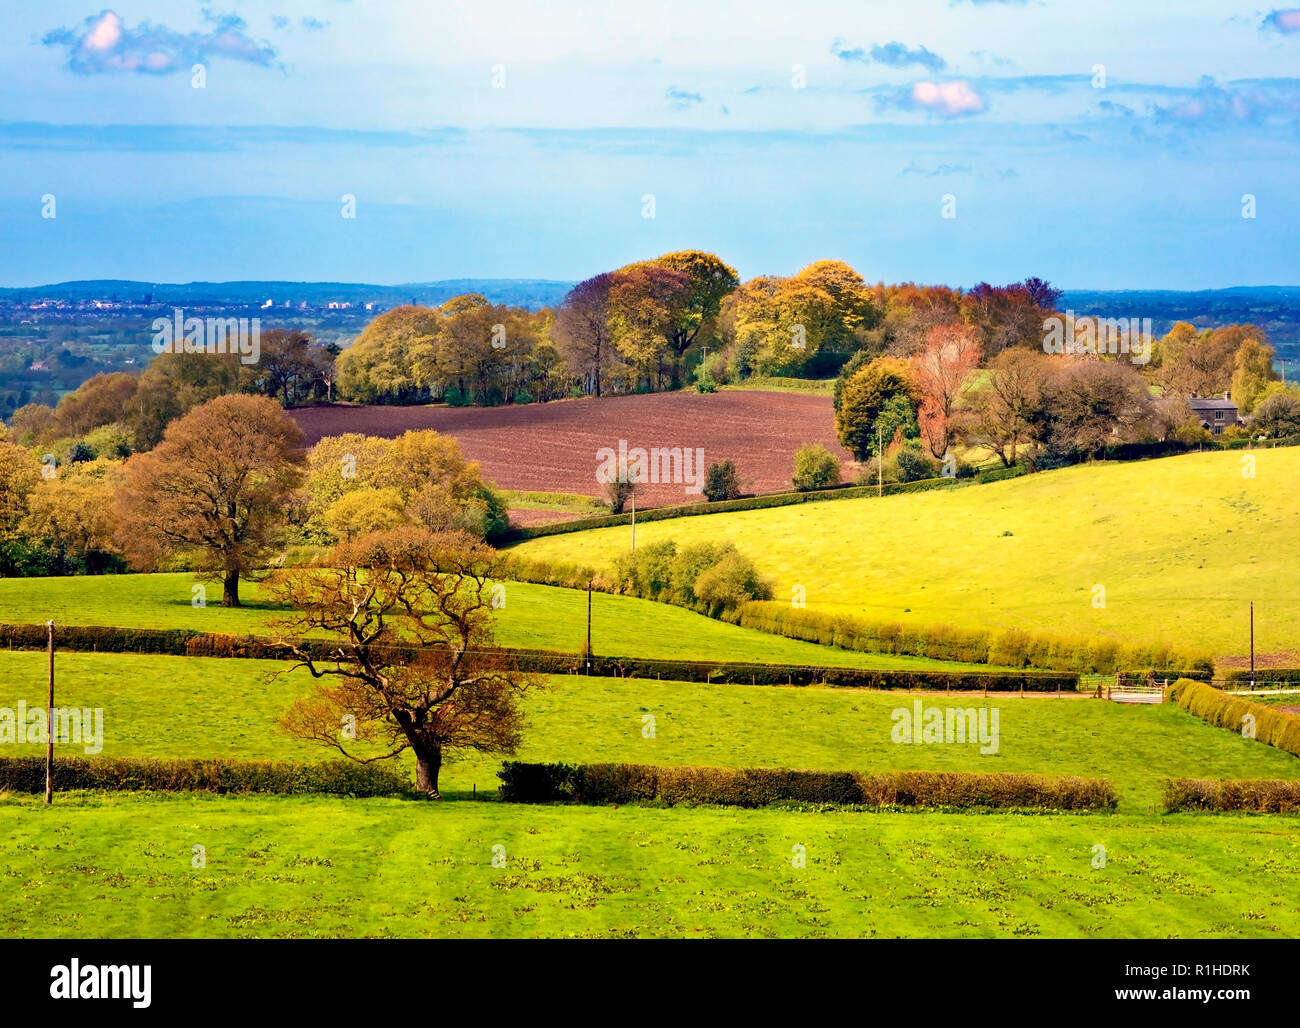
{"x":214,"y":707}
{"x":121,"y":866}
{"x":534,"y":617}
{"x":1181,"y":545}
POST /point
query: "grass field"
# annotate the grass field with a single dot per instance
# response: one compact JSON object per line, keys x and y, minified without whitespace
{"x":1181,"y":546}
{"x":535,"y":616}
{"x":121,"y":866}
{"x":210,"y":707}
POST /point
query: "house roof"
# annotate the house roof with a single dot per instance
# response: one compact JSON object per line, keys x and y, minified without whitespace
{"x":1210,"y":403}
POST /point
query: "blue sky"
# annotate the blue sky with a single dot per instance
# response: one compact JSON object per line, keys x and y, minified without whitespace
{"x":518,"y":139}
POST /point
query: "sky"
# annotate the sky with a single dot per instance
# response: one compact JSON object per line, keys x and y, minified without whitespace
{"x":1111,"y":144}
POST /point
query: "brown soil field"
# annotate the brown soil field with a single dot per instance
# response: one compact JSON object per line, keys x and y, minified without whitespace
{"x":552,"y":447}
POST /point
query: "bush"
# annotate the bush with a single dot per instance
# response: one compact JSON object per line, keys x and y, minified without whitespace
{"x":721,"y":482}
{"x":815,"y":467}
{"x":339,"y":777}
{"x":1269,"y":675}
{"x":1222,"y":710}
{"x":1266,"y":796}
{"x":760,"y":787}
{"x":913,"y":465}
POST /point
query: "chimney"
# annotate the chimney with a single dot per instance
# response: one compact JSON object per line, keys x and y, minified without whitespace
{"x":1227,"y":395}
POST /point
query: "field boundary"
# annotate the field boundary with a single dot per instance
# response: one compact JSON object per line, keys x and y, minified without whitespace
{"x":182,"y":642}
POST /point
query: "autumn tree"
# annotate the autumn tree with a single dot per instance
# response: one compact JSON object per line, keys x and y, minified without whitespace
{"x":1196,"y":363}
{"x":413,"y":665}
{"x":939,"y":372}
{"x":881,"y":395}
{"x":1008,"y":411}
{"x":691,"y":307}
{"x":215,"y":489}
{"x":1252,"y":372}
{"x":1003,"y":316}
{"x":71,"y":517}
{"x":290,"y":366}
{"x":645,"y":300}
{"x":357,"y":483}
{"x":584,"y":332}
{"x":19,"y":475}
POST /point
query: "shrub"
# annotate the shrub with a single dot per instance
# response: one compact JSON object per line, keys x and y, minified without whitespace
{"x":1267,"y":796}
{"x":815,"y":467}
{"x":760,"y":787}
{"x":341,"y":777}
{"x":721,"y":482}
{"x":913,"y":465}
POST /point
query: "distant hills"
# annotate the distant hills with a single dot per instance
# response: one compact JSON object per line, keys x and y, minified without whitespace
{"x":520,"y":292}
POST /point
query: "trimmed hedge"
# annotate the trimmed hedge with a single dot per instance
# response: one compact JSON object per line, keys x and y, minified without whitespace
{"x":1201,"y":674}
{"x":1265,"y":795}
{"x":340,"y":777}
{"x":759,"y":787}
{"x":1285,"y":675}
{"x":1012,"y":647}
{"x":181,"y":642}
{"x":740,"y":673}
{"x":1222,"y":710}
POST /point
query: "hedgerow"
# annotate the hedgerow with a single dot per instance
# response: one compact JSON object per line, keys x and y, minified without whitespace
{"x":758,"y":787}
{"x":1237,"y":714}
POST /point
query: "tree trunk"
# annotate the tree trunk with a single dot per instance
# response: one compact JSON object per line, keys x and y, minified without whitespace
{"x":230,"y":590}
{"x":428,"y":762}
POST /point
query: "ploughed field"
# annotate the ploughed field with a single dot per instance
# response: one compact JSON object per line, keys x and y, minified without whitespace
{"x":552,"y":446}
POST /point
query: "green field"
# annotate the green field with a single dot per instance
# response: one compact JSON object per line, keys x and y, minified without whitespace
{"x":1182,"y":545}
{"x":535,"y":617}
{"x":211,"y":707}
{"x":121,"y":866}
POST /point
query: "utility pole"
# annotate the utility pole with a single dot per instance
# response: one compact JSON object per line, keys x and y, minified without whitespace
{"x":631,"y":477}
{"x":1252,"y":644}
{"x":49,"y":724}
{"x":588,"y":627}
{"x":880,"y":465}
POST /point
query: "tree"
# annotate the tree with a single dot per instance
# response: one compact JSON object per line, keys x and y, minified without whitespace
{"x":1200,"y":364}
{"x":72,"y":516}
{"x":1277,"y":414}
{"x":691,"y":308}
{"x":216,"y":488}
{"x":815,"y":467}
{"x":939,"y":371}
{"x":721,"y":482}
{"x":19,"y":475}
{"x":583,"y":330}
{"x":430,"y":480}
{"x":291,"y":367}
{"x":414,"y":666}
{"x":1003,"y":316}
{"x":1253,"y":371}
{"x":865,"y":400}
{"x":1008,"y":411}
{"x":1094,"y":403}
{"x":647,"y":304}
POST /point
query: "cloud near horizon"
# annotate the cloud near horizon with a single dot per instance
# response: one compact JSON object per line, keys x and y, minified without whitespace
{"x":102,"y":44}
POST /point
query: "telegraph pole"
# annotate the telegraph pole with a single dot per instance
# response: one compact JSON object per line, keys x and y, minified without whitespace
{"x":588,"y":627}
{"x":880,"y":465}
{"x":1252,"y":644}
{"x":49,"y":724}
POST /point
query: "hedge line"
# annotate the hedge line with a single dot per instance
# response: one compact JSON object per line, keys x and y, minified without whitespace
{"x":1011,"y":647}
{"x":342,"y":777}
{"x":758,"y":787}
{"x":1265,"y":795}
{"x":1287,"y":675}
{"x":181,"y":642}
{"x":1222,"y":710}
